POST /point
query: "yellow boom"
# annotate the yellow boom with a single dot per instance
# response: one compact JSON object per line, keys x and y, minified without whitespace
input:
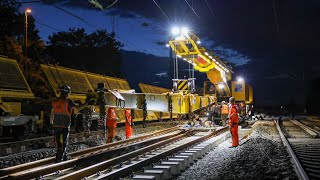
{"x":186,"y":45}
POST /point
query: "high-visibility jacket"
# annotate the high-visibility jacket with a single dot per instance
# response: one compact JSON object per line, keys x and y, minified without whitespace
{"x":111,"y":118}
{"x":224,"y":109}
{"x":233,"y":115}
{"x":128,"y":123}
{"x":61,"y":112}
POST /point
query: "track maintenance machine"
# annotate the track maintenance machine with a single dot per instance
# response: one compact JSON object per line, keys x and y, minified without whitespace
{"x":187,"y":46}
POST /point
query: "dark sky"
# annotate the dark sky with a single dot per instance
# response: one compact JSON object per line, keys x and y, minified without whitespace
{"x":275,"y":43}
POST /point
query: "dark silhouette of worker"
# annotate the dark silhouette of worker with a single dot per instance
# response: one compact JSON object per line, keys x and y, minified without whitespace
{"x":62,"y":108}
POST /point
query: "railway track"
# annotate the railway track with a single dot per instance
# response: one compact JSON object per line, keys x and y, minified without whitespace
{"x":303,"y":146}
{"x":119,"y":159}
{"x":14,"y":146}
{"x":46,"y":166}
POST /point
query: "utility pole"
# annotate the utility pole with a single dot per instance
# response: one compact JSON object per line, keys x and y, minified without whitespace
{"x":26,"y":13}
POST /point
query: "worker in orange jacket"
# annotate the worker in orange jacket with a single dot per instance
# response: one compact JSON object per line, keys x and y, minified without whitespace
{"x":111,"y":124}
{"x":128,"y":123}
{"x":233,"y":122}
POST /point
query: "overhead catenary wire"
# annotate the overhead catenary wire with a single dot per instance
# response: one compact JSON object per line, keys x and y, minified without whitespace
{"x":209,"y":7}
{"x":275,"y":14}
{"x":160,"y":9}
{"x":192,"y":9}
{"x":43,"y":24}
{"x":77,"y":17}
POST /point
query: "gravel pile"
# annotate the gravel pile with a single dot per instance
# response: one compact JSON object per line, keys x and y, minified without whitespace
{"x":261,"y":156}
{"x":20,"y":158}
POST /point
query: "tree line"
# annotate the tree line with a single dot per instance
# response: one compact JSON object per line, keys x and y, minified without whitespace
{"x":98,"y":51}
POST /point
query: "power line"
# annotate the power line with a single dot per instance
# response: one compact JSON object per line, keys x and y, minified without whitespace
{"x":275,"y":14}
{"x":192,"y":9}
{"x":77,"y":17}
{"x":161,"y":9}
{"x":209,"y":7}
{"x":42,"y":24}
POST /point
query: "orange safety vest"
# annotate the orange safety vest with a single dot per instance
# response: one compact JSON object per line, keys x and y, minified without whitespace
{"x":111,"y":118}
{"x":61,"y":106}
{"x":224,"y":109}
{"x":62,"y":115}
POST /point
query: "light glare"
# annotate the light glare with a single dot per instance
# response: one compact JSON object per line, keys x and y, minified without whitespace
{"x":221,"y":86}
{"x":175,"y":31}
{"x":184,"y":30}
{"x":240,"y":79}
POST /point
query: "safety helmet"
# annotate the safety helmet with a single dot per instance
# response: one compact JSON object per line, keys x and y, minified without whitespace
{"x":65,"y":89}
{"x":223,"y":102}
{"x":232,"y":100}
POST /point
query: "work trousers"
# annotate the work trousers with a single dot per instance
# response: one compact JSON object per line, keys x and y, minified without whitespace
{"x":61,"y":136}
{"x":128,"y":131}
{"x":234,"y":135}
{"x":111,"y":134}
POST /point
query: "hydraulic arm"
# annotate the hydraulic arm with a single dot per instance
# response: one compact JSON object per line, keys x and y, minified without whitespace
{"x":186,"y":45}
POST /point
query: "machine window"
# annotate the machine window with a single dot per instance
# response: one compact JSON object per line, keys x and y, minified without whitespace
{"x":238,"y":88}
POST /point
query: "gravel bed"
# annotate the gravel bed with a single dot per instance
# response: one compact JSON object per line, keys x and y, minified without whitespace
{"x":20,"y":158}
{"x":261,"y":156}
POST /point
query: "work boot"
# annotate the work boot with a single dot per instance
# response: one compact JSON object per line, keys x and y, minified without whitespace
{"x":59,"y":156}
{"x":66,"y":157}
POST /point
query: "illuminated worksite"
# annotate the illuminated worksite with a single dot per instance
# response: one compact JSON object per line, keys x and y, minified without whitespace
{"x":159,"y":90}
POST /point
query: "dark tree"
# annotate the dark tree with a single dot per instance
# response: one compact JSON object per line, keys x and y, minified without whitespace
{"x":12,"y":44}
{"x":97,"y":52}
{"x":12,"y":28}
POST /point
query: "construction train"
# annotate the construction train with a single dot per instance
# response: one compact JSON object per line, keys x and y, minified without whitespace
{"x":21,"y":112}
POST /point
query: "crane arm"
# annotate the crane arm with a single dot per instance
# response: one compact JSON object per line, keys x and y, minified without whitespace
{"x":187,"y":46}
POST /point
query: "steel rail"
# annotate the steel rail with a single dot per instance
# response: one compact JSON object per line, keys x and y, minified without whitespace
{"x":145,"y":162}
{"x":313,"y":131}
{"x":40,"y":171}
{"x":111,"y":162}
{"x":78,"y":154}
{"x":307,"y":129}
{"x":301,"y":173}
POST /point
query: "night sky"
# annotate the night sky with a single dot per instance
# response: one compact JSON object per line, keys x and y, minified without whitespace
{"x":274,"y":43}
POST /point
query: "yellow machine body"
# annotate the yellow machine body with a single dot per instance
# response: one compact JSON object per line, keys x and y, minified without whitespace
{"x":13,"y":86}
{"x":242,"y":91}
{"x":82,"y":82}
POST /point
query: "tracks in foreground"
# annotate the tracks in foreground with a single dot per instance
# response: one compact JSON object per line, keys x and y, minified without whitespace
{"x":46,"y":166}
{"x":171,"y":156}
{"x":303,"y":147}
{"x":169,"y":151}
